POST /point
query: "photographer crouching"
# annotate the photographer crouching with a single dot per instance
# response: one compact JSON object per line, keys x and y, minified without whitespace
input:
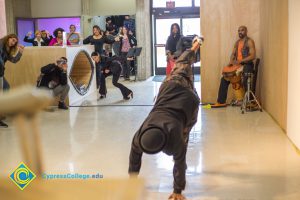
{"x":54,"y":77}
{"x":169,"y":123}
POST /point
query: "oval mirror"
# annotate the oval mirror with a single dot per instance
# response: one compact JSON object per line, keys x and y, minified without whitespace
{"x":81,"y":73}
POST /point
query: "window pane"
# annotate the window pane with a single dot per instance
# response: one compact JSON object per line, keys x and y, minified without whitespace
{"x":191,"y":26}
{"x":197,"y":3}
{"x":178,"y":3}
{"x":183,"y":3}
{"x":161,"y":57}
{"x":51,"y":24}
{"x":163,"y":27}
{"x":25,"y":26}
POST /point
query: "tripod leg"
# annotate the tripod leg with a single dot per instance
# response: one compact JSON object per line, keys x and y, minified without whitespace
{"x":243,"y":108}
{"x":256,"y":101}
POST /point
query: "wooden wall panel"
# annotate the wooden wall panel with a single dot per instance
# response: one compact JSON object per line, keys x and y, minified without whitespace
{"x":293,"y":112}
{"x":219,"y":24}
{"x":273,"y":72}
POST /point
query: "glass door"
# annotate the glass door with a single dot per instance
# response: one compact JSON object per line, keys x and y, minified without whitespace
{"x":186,"y":13}
{"x":188,"y":25}
{"x":162,"y":32}
{"x":191,"y":26}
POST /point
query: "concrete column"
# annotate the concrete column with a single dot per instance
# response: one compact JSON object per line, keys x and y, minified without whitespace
{"x":143,"y":35}
{"x":85,"y":18}
{"x":3,"y":30}
{"x":14,"y":9}
{"x":85,"y":7}
{"x":9,"y":11}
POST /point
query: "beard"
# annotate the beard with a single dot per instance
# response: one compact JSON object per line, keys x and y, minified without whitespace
{"x":241,"y":36}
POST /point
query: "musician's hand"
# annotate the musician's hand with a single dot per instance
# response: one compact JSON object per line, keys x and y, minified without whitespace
{"x":237,"y":62}
{"x":175,"y":196}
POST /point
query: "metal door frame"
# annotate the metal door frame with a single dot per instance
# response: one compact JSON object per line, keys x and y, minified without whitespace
{"x":165,"y":13}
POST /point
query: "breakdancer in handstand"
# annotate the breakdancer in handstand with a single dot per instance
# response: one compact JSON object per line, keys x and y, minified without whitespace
{"x":169,"y":123}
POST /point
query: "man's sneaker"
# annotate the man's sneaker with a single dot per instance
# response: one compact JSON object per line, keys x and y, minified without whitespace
{"x":62,"y":105}
{"x":218,"y":105}
{"x":3,"y":125}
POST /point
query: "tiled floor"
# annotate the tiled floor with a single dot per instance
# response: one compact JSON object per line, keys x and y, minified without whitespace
{"x":230,"y":156}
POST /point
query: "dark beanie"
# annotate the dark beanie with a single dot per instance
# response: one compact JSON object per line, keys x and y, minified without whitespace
{"x":152,"y":140}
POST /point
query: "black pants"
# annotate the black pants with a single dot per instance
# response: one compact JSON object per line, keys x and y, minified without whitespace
{"x":116,"y":75}
{"x":98,"y":74}
{"x":223,"y":89}
{"x":6,"y":85}
{"x":126,"y":65}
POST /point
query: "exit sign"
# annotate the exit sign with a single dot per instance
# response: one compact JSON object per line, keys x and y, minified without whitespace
{"x":170,"y":4}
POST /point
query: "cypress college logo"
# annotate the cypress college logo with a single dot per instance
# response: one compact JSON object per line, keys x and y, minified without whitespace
{"x":22,"y":176}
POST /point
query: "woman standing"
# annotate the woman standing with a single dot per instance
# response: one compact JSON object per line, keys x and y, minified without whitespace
{"x":127,"y":41}
{"x":9,"y":51}
{"x":37,"y":40}
{"x":173,"y":47}
{"x":58,"y":40}
{"x":98,"y":39}
{"x":73,"y":37}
